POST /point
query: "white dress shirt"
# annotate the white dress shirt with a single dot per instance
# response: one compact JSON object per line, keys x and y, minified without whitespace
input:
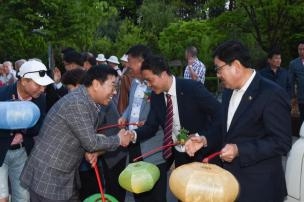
{"x":139,"y":96}
{"x":176,"y":121}
{"x":236,"y":99}
{"x":118,"y":71}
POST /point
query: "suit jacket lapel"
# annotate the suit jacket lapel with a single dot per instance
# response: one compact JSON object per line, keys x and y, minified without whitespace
{"x":180,"y":103}
{"x":300,"y":64}
{"x":225,"y":102}
{"x":246,"y":100}
{"x":161,"y":103}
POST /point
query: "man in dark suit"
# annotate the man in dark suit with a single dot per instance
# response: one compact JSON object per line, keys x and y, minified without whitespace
{"x":274,"y":72}
{"x":176,"y":104}
{"x":256,"y":126}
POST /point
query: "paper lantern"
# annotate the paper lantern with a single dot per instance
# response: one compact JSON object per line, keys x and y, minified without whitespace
{"x":18,"y":114}
{"x":201,"y":182}
{"x":139,"y":177}
{"x":97,"y":198}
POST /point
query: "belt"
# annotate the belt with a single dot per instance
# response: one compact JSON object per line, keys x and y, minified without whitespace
{"x":16,"y":146}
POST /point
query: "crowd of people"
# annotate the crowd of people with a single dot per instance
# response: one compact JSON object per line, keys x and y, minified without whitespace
{"x":52,"y":161}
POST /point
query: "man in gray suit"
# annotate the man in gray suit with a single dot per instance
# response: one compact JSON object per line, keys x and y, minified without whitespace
{"x":69,"y":131}
{"x":296,"y":69}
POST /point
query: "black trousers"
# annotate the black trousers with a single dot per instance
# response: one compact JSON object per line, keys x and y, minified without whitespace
{"x":180,"y":158}
{"x":111,"y":176}
{"x":89,"y":184}
{"x":159,"y":191}
{"x":34,"y":197}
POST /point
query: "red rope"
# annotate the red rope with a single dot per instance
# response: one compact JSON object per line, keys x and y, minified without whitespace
{"x":154,"y":150}
{"x":117,"y":125}
{"x":99,"y":183}
{"x":206,"y":160}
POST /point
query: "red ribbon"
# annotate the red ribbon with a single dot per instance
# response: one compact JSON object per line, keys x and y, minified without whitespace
{"x":117,"y":125}
{"x":154,"y":150}
{"x":206,"y":160}
{"x":99,"y":183}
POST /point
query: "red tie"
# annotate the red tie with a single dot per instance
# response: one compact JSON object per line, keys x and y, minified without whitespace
{"x":167,"y":153}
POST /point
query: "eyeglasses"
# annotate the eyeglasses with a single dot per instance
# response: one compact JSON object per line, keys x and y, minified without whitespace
{"x":218,"y":69}
{"x":41,"y":73}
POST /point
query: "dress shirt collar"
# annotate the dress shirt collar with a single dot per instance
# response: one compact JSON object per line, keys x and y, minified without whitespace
{"x":247,"y":83}
{"x":172,"y":90}
{"x":140,"y":82}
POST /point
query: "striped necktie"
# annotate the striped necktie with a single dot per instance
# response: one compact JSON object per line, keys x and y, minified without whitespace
{"x":167,"y":153}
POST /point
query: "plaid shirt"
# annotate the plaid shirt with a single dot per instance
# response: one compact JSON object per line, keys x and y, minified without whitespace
{"x":199,"y":68}
{"x":67,"y":132}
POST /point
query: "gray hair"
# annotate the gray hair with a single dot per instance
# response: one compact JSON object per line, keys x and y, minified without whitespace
{"x":192,"y":51}
{"x":9,"y":64}
{"x":18,"y":63}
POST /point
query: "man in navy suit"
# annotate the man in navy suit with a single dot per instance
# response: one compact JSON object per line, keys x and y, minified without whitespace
{"x":193,"y":107}
{"x":274,"y":72}
{"x":256,"y":126}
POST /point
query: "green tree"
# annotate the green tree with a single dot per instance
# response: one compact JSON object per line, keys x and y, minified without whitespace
{"x":128,"y":35}
{"x":155,"y":22}
{"x":271,"y":23}
{"x":199,"y":33}
{"x":127,"y":8}
{"x":76,"y":23}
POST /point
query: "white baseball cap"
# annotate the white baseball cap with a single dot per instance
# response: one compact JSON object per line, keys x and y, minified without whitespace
{"x":101,"y":58}
{"x":124,"y":58}
{"x":36,"y":71}
{"x":113,"y":59}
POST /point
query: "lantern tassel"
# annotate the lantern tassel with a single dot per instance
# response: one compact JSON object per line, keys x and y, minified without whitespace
{"x":118,"y":125}
{"x":206,"y":160}
{"x":154,"y":150}
{"x":99,"y":182}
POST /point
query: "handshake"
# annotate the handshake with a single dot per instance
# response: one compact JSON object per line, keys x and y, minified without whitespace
{"x":125,"y":137}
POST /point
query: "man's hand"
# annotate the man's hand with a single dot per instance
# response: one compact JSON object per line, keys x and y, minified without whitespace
{"x":17,"y":139}
{"x":190,"y":61}
{"x":122,"y":121}
{"x":229,"y":152}
{"x":194,"y":144}
{"x":191,"y":71}
{"x":125,"y":137}
{"x":141,"y":123}
{"x":91,"y":157}
{"x":57,"y":75}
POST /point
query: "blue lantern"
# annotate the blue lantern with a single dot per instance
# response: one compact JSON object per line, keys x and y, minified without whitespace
{"x":18,"y":114}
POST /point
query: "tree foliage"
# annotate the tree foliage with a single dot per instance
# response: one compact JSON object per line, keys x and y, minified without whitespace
{"x":78,"y":24}
{"x":168,"y":26}
{"x":199,"y":33}
{"x":155,"y":22}
{"x":272,"y":23}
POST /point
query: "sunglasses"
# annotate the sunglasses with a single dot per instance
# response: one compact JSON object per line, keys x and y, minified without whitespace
{"x":41,"y":73}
